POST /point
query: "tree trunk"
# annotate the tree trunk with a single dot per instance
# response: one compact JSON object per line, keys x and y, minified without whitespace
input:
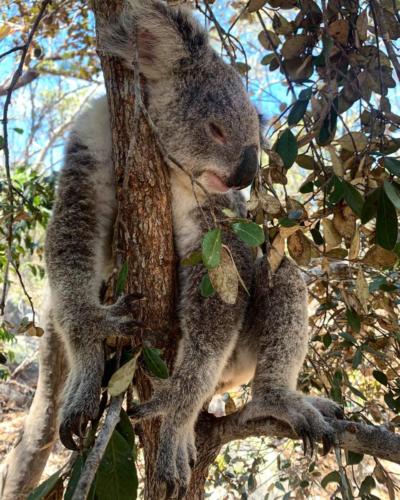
{"x":144,"y":233}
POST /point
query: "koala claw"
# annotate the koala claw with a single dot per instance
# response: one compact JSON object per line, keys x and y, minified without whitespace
{"x":74,"y":425}
{"x":167,"y":484}
{"x":125,"y":305}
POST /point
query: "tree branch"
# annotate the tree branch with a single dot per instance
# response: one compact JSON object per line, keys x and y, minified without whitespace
{"x":353,"y":436}
{"x":25,"y":79}
{"x":93,"y":460}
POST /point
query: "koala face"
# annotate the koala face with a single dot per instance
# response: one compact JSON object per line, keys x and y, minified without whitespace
{"x":207,"y":122}
{"x":197,"y":101}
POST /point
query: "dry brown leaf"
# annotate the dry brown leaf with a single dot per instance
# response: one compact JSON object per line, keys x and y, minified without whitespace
{"x":355,"y":245}
{"x":255,"y":5}
{"x":285,"y":232}
{"x":331,"y":236}
{"x":379,"y":257}
{"x":294,"y":47}
{"x":268,"y":39}
{"x":337,"y":164}
{"x":362,"y":290}
{"x":299,"y":248}
{"x":356,"y":141}
{"x":224,"y":278}
{"x":344,"y":221}
{"x":339,"y":31}
{"x":362,"y":25}
{"x":276,"y":253}
{"x":270,"y":204}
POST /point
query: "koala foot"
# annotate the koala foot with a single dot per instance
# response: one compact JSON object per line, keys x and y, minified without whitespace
{"x":327,"y":407}
{"x":294,"y":409}
{"x":175,"y":451}
{"x":81,"y":405}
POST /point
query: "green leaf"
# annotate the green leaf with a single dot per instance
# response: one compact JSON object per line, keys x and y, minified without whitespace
{"x":328,"y":129}
{"x":307,"y":187}
{"x":357,"y":358}
{"x":354,"y":458}
{"x":125,"y":428}
{"x":332,"y":477}
{"x":386,"y":223}
{"x":392,"y":164}
{"x":211,"y":248}
{"x":297,"y":112}
{"x":18,"y":130}
{"x":192,"y":259}
{"x":249,"y":232}
{"x":353,"y":320}
{"x":366,"y":486}
{"x":353,"y":198}
{"x":120,"y":380}
{"x":393,"y":192}
{"x":116,"y":477}
{"x":348,"y":337}
{"x":338,"y":190}
{"x":1,"y":142}
{"x":43,"y":490}
{"x":288,"y":222}
{"x":380,"y":377}
{"x":122,"y":277}
{"x":370,"y":207}
{"x":286,"y":147}
{"x":316,"y":235}
{"x":155,"y":364}
{"x":206,"y":288}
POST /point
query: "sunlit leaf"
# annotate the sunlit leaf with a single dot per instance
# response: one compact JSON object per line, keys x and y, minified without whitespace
{"x":211,"y":248}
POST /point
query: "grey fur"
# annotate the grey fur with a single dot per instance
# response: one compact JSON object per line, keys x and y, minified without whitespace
{"x":207,"y":122}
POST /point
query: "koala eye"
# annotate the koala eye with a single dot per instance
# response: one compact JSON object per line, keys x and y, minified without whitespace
{"x":217,"y":133}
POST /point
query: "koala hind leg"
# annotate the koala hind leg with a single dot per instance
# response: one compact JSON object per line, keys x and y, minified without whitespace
{"x":278,"y":315}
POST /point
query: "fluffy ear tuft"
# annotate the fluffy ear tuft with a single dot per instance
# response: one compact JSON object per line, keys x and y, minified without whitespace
{"x":165,"y":37}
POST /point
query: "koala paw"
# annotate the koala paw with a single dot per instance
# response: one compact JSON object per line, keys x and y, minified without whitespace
{"x":295,"y":410}
{"x":117,"y":318}
{"x":327,"y":407}
{"x":81,"y":404}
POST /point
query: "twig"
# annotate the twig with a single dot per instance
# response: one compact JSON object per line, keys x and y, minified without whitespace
{"x":10,"y":195}
{"x":10,"y":51}
{"x":94,"y":458}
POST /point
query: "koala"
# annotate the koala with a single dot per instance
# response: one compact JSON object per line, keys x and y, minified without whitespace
{"x":207,"y":123}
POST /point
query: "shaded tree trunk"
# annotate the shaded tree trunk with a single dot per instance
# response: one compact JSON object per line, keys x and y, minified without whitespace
{"x":144,"y":234}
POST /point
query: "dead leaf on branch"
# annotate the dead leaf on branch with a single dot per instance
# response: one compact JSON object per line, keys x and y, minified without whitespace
{"x":379,"y":257}
{"x":331,"y":236}
{"x":277,"y":252}
{"x":224,"y":278}
{"x":339,"y":31}
{"x":299,"y":248}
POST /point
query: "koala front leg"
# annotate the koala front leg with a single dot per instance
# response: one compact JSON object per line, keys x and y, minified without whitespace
{"x":77,"y":255}
{"x":279,"y":316}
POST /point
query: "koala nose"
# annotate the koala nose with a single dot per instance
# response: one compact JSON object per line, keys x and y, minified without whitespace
{"x":247,"y":169}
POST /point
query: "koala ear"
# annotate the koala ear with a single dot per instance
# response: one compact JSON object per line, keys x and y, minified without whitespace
{"x":164,"y":36}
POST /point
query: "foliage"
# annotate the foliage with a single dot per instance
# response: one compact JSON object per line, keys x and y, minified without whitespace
{"x":328,"y":194}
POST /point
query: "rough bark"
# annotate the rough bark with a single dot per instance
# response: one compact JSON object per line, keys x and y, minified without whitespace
{"x":144,"y":232}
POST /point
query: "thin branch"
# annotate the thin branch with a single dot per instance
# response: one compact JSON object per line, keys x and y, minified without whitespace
{"x":25,"y":79}
{"x":10,"y":51}
{"x":94,"y":458}
{"x":10,"y":195}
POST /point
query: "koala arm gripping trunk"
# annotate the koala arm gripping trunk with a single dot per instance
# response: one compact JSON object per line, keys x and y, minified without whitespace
{"x":77,"y":258}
